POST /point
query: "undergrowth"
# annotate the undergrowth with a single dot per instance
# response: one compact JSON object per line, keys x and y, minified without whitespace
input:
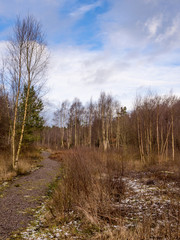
{"x":93,"y":189}
{"x":28,"y":160}
{"x":90,"y":183}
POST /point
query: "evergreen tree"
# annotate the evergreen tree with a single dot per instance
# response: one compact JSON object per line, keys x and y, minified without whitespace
{"x":34,"y":121}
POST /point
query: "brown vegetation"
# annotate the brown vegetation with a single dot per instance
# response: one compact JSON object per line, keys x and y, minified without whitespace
{"x":150,"y":130}
{"x":112,"y":199}
{"x":110,"y":158}
{"x":90,"y":183}
{"x":28,"y":161}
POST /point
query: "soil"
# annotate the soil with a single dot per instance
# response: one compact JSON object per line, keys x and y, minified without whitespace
{"x":24,"y":195}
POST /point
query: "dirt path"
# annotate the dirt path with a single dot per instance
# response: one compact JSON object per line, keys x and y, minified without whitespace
{"x":25,"y":194}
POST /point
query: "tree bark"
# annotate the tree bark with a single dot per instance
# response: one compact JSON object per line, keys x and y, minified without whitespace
{"x":157,"y":131}
{"x":172,"y":136}
{"x":15,"y":111}
{"x":23,"y":125}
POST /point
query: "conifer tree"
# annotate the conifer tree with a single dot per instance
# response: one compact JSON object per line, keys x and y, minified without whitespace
{"x":34,"y":121}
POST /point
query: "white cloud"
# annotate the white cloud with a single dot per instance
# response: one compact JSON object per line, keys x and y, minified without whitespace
{"x":78,"y":72}
{"x":137,"y":27}
{"x":140,"y":44}
{"x":153,"y":25}
{"x":84,"y":9}
{"x":172,"y":31}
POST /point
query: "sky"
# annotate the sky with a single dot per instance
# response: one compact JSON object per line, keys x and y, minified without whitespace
{"x":122,"y":47}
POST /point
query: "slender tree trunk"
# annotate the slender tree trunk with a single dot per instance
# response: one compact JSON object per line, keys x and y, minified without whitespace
{"x":70,"y":135}
{"x":118,"y":131}
{"x":103,"y":133}
{"x":48,"y":142}
{"x":167,"y":150}
{"x":140,"y":140}
{"x":23,"y":124}
{"x":111,"y":128}
{"x":79,"y":134}
{"x":14,"y":130}
{"x":75,"y":131}
{"x":107,"y":133}
{"x":162,"y":140}
{"x":157,"y":131}
{"x":28,"y":64}
{"x":90,"y":129}
{"x":90,"y":134}
{"x":68,"y":138}
{"x":149,"y":140}
{"x":165,"y":146}
{"x":142,"y":147}
{"x":62,"y":138}
{"x":15,"y":113}
{"x":62,"y":130}
{"x":172,"y":136}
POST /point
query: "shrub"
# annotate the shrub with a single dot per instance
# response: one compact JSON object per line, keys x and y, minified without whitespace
{"x":91,"y":182}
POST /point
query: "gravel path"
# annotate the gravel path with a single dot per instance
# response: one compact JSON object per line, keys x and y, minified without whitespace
{"x":25,"y":194}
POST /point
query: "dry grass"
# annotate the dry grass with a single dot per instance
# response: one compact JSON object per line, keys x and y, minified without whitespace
{"x":27,"y":161}
{"x":90,"y":183}
{"x":92,"y":190}
{"x":147,"y":229}
{"x":6,"y":172}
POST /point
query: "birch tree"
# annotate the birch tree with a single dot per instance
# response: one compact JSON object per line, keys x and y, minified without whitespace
{"x":61,"y":118}
{"x":28,"y":62}
{"x":15,"y":69}
{"x":90,"y":119}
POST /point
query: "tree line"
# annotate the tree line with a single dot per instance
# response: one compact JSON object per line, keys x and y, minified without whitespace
{"x":151,"y":129}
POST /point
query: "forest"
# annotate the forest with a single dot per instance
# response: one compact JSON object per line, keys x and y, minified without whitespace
{"x":108,"y":154}
{"x":150,"y":130}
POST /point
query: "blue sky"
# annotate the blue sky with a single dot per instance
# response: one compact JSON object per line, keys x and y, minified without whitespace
{"x":122,"y":47}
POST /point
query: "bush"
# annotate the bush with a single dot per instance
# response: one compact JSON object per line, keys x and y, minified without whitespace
{"x":91,"y":182}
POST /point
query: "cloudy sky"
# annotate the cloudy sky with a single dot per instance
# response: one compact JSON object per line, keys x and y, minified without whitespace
{"x":122,"y":47}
